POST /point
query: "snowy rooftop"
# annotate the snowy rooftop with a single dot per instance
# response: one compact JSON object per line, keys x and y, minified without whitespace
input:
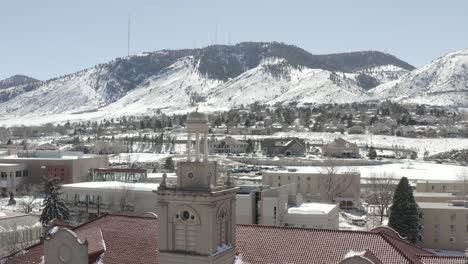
{"x":413,"y":170}
{"x":441,"y":206}
{"x":109,"y":185}
{"x":159,"y":175}
{"x":312,"y":208}
{"x":429,"y":194}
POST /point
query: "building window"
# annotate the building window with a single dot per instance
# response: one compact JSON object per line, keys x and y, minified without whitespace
{"x":443,"y":187}
{"x":436,"y":240}
{"x":308,"y":178}
{"x":274,"y":212}
{"x":453,"y":217}
{"x":467,"y":228}
{"x":452,"y":240}
{"x":436,"y":226}
{"x":452,"y":228}
{"x":432,"y":187}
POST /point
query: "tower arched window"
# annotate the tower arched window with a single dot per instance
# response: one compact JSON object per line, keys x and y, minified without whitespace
{"x":222,"y":220}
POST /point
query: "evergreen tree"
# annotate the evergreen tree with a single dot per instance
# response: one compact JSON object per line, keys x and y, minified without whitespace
{"x":404,"y":212}
{"x":250,"y":147}
{"x":54,"y":206}
{"x":169,"y":164}
{"x":372,"y":153}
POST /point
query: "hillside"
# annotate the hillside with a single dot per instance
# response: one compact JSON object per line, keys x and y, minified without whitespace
{"x":215,"y":77}
{"x":444,"y":81}
{"x":16,"y":80}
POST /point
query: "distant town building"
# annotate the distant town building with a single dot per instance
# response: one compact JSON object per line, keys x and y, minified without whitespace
{"x":227,"y":145}
{"x":283,"y":147}
{"x":341,"y":148}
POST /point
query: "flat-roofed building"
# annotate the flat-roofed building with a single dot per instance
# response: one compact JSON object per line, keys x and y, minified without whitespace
{"x":445,"y":225}
{"x":313,"y":215}
{"x":319,"y":184}
{"x":433,"y":197}
{"x":283,"y":206}
{"x":90,"y":199}
{"x":442,"y":186}
{"x":68,"y":167}
{"x":11,"y":176}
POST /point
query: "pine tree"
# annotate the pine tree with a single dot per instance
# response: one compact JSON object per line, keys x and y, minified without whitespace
{"x":169,"y":164}
{"x":372,"y":153}
{"x":404,"y":212}
{"x":54,"y":206}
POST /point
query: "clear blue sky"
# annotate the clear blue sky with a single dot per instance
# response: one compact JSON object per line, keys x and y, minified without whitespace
{"x":48,"y":38}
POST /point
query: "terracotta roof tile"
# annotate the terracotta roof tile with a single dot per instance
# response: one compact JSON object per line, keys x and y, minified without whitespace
{"x":133,"y":240}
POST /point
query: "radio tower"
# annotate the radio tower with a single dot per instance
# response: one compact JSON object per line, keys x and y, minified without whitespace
{"x":128,"y":34}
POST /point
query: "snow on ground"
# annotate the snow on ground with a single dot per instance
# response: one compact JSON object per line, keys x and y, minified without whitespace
{"x":413,"y":170}
{"x":36,"y":204}
{"x":312,"y":208}
{"x":137,"y":157}
{"x":106,"y":185}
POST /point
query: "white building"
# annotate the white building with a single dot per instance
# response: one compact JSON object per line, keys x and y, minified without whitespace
{"x":313,"y":215}
{"x":11,"y":176}
{"x":282,"y":206}
{"x":89,"y":199}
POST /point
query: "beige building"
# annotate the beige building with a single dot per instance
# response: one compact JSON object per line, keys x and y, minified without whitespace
{"x":340,"y":148}
{"x":68,"y":167}
{"x":228,"y":145}
{"x":11,"y":176}
{"x":320,"y":184}
{"x":434,"y":186}
{"x":445,"y":225}
{"x":90,"y":199}
{"x":283,"y":206}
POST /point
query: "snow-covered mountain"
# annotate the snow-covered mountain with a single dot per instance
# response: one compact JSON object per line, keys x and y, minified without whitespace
{"x":215,"y":77}
{"x":444,"y":81}
{"x":16,"y":80}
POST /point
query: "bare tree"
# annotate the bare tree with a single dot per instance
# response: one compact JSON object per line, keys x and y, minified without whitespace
{"x":120,"y":202}
{"x":379,"y":192}
{"x":335,"y":181}
{"x":462,"y":179}
{"x":30,"y":193}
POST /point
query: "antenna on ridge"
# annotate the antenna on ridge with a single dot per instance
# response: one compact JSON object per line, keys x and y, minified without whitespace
{"x":128,"y":34}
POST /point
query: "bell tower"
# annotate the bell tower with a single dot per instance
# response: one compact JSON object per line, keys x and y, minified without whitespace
{"x":197,"y":217}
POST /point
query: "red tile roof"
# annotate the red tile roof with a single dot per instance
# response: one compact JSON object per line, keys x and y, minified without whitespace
{"x":128,"y":239}
{"x":133,"y":240}
{"x":443,"y":260}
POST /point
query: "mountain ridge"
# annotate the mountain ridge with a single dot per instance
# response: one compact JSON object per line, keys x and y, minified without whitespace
{"x":213,"y":76}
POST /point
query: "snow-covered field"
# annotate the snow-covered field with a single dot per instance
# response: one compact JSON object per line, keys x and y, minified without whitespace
{"x":137,"y":157}
{"x":36,"y":204}
{"x":433,"y":145}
